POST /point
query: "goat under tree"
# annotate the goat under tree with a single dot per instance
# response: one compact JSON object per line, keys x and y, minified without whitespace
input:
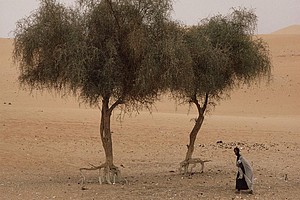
{"x":224,"y":54}
{"x":107,"y":53}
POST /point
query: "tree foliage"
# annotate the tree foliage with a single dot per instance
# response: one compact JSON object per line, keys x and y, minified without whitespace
{"x":224,"y":53}
{"x":113,"y":49}
{"x":44,"y":44}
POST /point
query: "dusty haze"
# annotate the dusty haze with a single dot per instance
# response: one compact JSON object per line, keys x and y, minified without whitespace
{"x":44,"y":140}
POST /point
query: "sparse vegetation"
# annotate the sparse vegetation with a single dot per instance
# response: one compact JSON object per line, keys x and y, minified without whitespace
{"x":127,"y":52}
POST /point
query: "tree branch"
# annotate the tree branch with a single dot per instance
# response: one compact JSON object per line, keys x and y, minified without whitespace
{"x":118,"y":102}
{"x":195,"y":101}
{"x":202,"y":109}
{"x":113,"y":13}
{"x":205,"y":103}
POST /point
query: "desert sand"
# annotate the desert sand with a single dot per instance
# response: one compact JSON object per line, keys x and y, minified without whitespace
{"x":45,"y":139}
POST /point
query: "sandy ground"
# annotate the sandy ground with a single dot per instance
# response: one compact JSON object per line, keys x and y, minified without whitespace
{"x":44,"y":140}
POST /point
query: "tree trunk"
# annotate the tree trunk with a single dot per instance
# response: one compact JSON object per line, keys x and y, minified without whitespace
{"x":193,"y":135}
{"x":105,"y":133}
{"x":111,"y":174}
{"x":198,"y":124}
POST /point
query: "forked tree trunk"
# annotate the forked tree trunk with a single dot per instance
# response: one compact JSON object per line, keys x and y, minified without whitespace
{"x":105,"y":133}
{"x":193,"y":135}
{"x":111,"y":174}
{"x":197,"y":126}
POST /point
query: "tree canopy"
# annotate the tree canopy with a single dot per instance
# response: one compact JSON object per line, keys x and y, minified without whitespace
{"x":224,"y":53}
{"x":112,"y":49}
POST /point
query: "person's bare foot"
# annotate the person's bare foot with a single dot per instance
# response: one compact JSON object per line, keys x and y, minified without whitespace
{"x":251,"y":192}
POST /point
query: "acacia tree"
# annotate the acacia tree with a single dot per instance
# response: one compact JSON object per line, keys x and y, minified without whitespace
{"x":106,"y":52}
{"x":224,"y":53}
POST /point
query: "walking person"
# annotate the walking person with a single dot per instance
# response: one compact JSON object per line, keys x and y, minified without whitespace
{"x":244,"y":178}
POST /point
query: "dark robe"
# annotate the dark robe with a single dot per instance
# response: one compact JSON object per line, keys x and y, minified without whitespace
{"x":243,"y":174}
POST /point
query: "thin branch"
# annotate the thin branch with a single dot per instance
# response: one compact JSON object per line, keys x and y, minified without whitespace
{"x":113,"y":13}
{"x":196,"y":102}
{"x":118,"y":102}
{"x":205,"y":103}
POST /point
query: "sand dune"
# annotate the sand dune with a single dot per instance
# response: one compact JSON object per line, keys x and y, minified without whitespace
{"x":290,"y":30}
{"x":44,"y":139}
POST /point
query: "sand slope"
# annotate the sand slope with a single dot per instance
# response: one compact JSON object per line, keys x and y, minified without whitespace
{"x":290,"y":30}
{"x":44,"y":140}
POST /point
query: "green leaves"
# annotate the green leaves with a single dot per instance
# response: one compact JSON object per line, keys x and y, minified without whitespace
{"x":99,"y":49}
{"x":132,"y":50}
{"x":224,"y":53}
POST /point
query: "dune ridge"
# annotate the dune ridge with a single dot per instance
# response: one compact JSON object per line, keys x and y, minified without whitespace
{"x":290,"y":30}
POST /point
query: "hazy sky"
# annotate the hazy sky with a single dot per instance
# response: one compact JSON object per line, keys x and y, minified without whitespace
{"x":272,"y":14}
